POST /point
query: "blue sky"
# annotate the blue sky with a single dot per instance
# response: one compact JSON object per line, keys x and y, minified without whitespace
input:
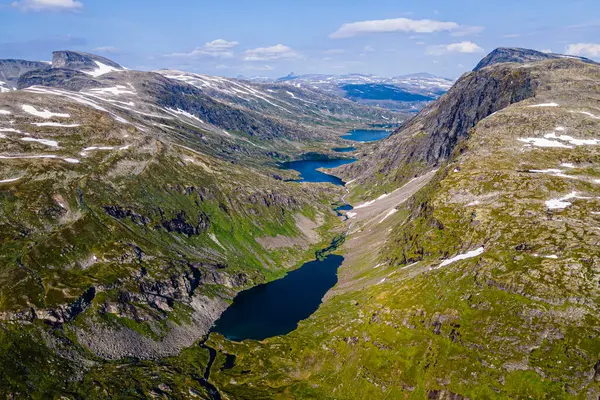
{"x":273,"y":38}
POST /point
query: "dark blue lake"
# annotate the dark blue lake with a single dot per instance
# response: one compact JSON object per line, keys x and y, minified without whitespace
{"x":275,"y":308}
{"x":364,"y":135}
{"x":308,"y":170}
{"x":343,"y":149}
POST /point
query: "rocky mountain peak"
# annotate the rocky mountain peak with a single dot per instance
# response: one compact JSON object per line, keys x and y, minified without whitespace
{"x":521,"y":56}
{"x":84,"y":62}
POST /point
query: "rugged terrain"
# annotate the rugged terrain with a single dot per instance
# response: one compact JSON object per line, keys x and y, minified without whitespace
{"x":483,"y":284}
{"x":136,"y":206}
{"x":406,"y":93}
{"x":471,"y":263}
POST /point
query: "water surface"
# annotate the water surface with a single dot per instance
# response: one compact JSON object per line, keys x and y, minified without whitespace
{"x":343,"y":149}
{"x":275,"y":308}
{"x":308,"y":170}
{"x":365,"y":135}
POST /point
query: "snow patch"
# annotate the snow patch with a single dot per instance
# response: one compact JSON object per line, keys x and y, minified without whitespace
{"x":185,"y":114}
{"x":541,"y":142}
{"x":587,"y":113}
{"x":101,"y":70}
{"x":5,"y":112}
{"x":10,"y":180}
{"x":42,"y":114}
{"x":46,"y":142}
{"x":562,"y":203}
{"x":57,"y":124}
{"x":572,"y":140}
{"x":470,"y":254}
{"x":544,"y":105}
{"x":115,"y":91}
{"x":389,"y":214}
{"x":214,"y":239}
{"x":368,"y":203}
{"x":551,"y":256}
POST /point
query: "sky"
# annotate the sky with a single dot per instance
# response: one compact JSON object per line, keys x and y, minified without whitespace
{"x":274,"y":38}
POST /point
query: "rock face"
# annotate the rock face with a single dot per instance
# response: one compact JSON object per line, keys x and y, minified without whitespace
{"x":11,"y":70}
{"x":430,"y":137}
{"x":80,"y":61}
{"x":57,"y":77}
{"x":521,"y":56}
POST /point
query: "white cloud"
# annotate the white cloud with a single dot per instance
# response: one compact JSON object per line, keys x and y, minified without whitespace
{"x":584,"y":49}
{"x":219,"y":48}
{"x":400,"y":25}
{"x":40,"y":5}
{"x":258,"y":67}
{"x":277,"y":52}
{"x":369,"y":48}
{"x":461,"y":47}
{"x":546,"y":50}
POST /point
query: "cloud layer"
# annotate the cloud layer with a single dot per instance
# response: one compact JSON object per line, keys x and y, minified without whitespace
{"x":277,"y":52}
{"x":584,"y":49}
{"x":219,"y":48}
{"x":401,"y":25}
{"x":41,"y":5}
{"x":460,"y":47}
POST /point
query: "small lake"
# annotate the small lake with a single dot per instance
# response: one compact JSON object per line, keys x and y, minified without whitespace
{"x":308,"y":170}
{"x":275,"y":308}
{"x":343,"y":149}
{"x":366,"y":135}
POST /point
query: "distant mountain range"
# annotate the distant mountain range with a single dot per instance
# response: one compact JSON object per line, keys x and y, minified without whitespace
{"x":401,"y":93}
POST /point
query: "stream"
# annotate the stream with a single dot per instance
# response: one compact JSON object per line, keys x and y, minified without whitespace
{"x":275,"y":308}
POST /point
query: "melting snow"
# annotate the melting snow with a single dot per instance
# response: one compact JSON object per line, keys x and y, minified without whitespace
{"x":389,"y":214}
{"x":71,"y":160}
{"x":568,"y":165}
{"x":553,"y":172}
{"x":42,"y":114}
{"x":572,"y":140}
{"x":51,"y":143}
{"x":115,"y":91}
{"x":76,"y":97}
{"x":351,"y":214}
{"x":12,"y":130}
{"x":470,"y":254}
{"x":101,"y":70}
{"x":4,"y":112}
{"x":544,"y":105}
{"x":551,"y":256}
{"x":58,"y":124}
{"x":562,"y":203}
{"x":368,"y":203}
{"x":214,"y":239}
{"x":587,"y":113}
{"x":10,"y":180}
{"x":103,"y":148}
{"x":541,"y":142}
{"x":185,"y":114}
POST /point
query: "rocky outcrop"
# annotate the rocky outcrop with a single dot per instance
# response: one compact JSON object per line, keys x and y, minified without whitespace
{"x":80,"y":61}
{"x":124,"y":342}
{"x":59,"y":78}
{"x":521,"y":56}
{"x":11,"y":70}
{"x":180,"y":224}
{"x":428,"y":139}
